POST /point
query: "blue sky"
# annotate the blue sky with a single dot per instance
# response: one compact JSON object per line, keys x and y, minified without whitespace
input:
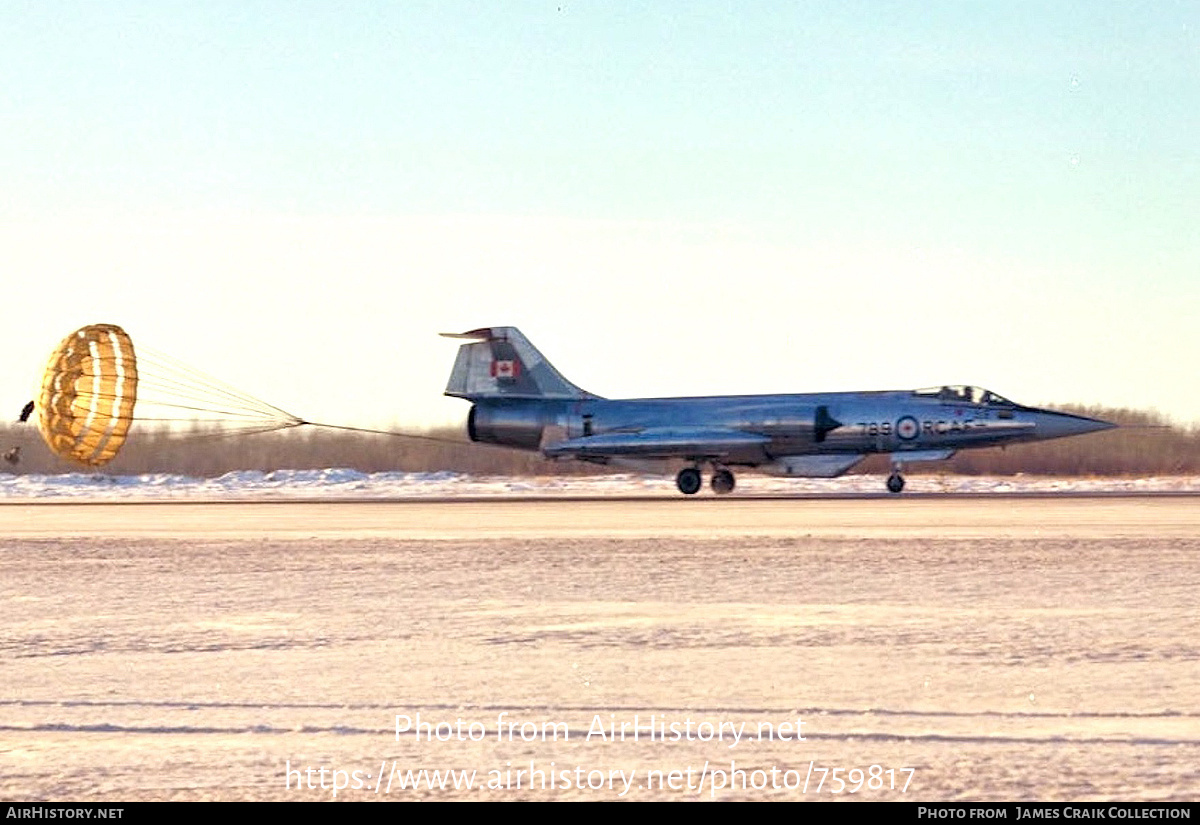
{"x":669,"y":198}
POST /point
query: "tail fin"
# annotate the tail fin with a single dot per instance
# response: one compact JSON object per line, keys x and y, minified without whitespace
{"x":503,"y":364}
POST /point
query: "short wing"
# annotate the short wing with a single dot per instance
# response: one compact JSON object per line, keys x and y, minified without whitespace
{"x":910,"y":456}
{"x":832,"y":465}
{"x":814,"y":466}
{"x":672,"y":442}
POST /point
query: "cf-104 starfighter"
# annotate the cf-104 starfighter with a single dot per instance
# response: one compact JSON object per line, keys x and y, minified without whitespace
{"x":520,"y":400}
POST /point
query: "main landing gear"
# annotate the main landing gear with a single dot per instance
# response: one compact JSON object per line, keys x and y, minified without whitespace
{"x":722,"y":482}
{"x":689,"y":481}
{"x":895,"y":482}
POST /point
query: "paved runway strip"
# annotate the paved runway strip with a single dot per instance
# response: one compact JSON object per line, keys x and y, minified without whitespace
{"x":1016,"y":516}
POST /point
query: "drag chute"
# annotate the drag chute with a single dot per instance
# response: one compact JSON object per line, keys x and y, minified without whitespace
{"x":88,"y":391}
{"x":94,"y":380}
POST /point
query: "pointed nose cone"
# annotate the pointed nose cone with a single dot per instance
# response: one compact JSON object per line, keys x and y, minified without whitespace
{"x":1051,"y":424}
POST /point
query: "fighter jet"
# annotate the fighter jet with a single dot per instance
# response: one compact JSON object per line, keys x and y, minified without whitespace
{"x":520,"y":400}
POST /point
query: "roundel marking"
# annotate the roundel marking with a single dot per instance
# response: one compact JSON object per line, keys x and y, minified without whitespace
{"x":907,"y":428}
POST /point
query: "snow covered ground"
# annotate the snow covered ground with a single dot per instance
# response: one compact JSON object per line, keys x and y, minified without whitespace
{"x":234,"y":652}
{"x":340,"y":482}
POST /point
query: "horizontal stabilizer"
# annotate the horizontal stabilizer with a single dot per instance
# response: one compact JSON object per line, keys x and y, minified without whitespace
{"x":484,"y":334}
{"x":690,"y":442}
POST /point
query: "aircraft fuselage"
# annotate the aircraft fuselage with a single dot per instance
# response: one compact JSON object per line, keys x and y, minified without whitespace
{"x":812,"y":424}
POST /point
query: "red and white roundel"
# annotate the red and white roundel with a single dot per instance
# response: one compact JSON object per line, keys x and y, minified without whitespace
{"x":908,"y":428}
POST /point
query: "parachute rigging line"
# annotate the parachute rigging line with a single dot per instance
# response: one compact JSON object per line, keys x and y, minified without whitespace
{"x":96,"y":387}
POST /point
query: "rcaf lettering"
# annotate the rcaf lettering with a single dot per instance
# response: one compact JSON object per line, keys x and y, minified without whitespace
{"x":954,"y":425}
{"x":928,"y":427}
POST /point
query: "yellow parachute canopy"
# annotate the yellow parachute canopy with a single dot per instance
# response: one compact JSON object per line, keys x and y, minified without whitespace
{"x":88,"y":391}
{"x":93,"y":380}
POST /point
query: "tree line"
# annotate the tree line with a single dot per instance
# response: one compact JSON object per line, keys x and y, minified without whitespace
{"x":1148,"y":443}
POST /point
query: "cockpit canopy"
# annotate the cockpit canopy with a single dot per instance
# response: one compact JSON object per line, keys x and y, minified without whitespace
{"x":960,"y":394}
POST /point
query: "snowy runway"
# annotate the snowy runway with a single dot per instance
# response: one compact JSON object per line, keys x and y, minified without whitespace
{"x":983,"y":648}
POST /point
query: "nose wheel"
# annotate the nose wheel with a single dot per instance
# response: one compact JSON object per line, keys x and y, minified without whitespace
{"x":895,"y":483}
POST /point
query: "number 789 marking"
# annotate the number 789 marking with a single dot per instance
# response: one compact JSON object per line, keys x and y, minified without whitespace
{"x":875,"y":427}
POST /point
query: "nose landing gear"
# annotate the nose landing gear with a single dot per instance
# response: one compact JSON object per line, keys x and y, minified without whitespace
{"x":895,"y":482}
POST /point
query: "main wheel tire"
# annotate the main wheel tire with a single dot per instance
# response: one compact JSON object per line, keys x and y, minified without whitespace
{"x":895,"y":483}
{"x":688,"y":481}
{"x":723,"y":482}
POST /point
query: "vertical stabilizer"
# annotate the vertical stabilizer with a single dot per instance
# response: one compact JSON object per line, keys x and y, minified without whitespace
{"x":501,"y":363}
